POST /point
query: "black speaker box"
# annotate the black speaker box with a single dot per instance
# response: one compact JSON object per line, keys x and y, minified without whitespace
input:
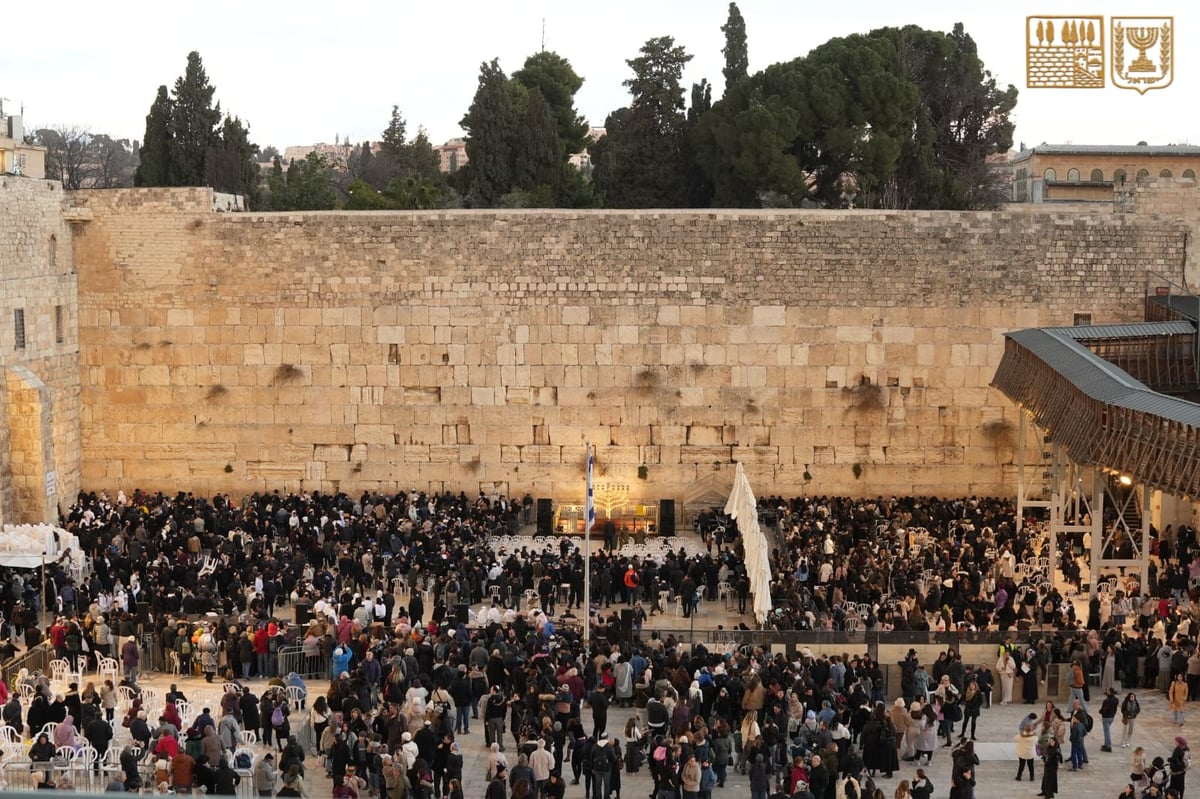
{"x":627,"y":621}
{"x":666,"y":517}
{"x":545,"y":517}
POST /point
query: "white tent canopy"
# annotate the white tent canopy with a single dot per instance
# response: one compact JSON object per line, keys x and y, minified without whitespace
{"x":29,"y":546}
{"x":743,"y":508}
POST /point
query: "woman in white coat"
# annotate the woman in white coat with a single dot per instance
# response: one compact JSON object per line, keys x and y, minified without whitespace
{"x":1006,"y":667}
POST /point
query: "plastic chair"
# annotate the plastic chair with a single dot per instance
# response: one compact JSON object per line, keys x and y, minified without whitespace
{"x":84,"y":764}
{"x":247,"y":738}
{"x":125,"y":696}
{"x":296,"y":696}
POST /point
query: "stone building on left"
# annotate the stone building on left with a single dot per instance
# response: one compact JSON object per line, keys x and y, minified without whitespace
{"x":39,"y":341}
{"x":17,"y":157}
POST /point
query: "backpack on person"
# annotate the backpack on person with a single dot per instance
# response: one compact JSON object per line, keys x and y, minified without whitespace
{"x":1087,"y":721}
{"x":277,"y":718}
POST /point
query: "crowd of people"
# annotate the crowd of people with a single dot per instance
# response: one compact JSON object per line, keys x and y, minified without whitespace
{"x":204,"y":582}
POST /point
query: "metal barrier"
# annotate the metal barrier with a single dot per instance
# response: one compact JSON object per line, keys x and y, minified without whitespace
{"x":36,"y":659}
{"x":859,"y":641}
{"x":292,"y":659}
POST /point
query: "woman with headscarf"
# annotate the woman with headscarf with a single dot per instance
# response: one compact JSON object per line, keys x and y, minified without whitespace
{"x":1177,"y":764}
{"x":899,"y":717}
{"x":65,"y":732}
{"x":211,"y":744}
{"x":42,"y":750}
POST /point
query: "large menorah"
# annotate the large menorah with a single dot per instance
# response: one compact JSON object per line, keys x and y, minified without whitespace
{"x":1143,"y":39}
{"x":610,"y":496}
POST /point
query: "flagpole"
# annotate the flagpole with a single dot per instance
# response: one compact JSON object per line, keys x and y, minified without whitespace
{"x":589,"y":515}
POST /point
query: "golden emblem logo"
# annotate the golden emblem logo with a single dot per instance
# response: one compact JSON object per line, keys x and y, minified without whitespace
{"x":1064,"y":52}
{"x":1143,"y":52}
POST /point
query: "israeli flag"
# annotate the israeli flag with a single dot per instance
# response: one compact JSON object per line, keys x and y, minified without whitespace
{"x":591,"y":500}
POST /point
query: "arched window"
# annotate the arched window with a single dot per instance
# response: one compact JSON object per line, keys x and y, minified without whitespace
{"x":1166,"y":173}
{"x":1143,"y":174}
{"x":1049,"y":175}
{"x":1097,"y":176}
{"x":53,"y":250}
{"x":1189,"y":174}
{"x":1119,"y":177}
{"x":1073,"y":175}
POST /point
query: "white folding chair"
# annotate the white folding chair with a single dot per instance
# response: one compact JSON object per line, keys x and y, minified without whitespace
{"x":247,"y":738}
{"x":296,"y":696}
{"x":84,"y":764}
{"x":125,"y":696}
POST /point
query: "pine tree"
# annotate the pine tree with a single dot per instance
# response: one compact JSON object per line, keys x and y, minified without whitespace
{"x":194,"y":121}
{"x":554,"y":77}
{"x":538,"y":161}
{"x":232,"y":165}
{"x":490,"y":125}
{"x":737,"y":56}
{"x":641,"y":162}
{"x":154,"y":168}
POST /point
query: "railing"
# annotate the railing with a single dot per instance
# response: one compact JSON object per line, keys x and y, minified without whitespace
{"x":292,"y":659}
{"x":36,"y":659}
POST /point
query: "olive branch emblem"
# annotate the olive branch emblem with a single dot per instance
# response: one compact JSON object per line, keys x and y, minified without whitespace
{"x":1164,"y":52}
{"x":1119,"y":46}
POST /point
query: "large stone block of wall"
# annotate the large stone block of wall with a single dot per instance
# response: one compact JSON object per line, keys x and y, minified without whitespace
{"x":39,"y":279}
{"x":483,"y":349}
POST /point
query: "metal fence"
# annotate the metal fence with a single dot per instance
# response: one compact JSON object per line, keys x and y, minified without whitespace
{"x":36,"y":659}
{"x":826,"y":640}
{"x":292,"y":659}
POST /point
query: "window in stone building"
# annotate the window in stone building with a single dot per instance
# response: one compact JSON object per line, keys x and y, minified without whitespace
{"x":1189,"y":174}
{"x":1097,"y":176}
{"x":1049,"y":175}
{"x":58,"y":324}
{"x":1083,"y":319}
{"x":1143,"y":174}
{"x":19,"y":327}
{"x":1119,"y":177}
{"x":1166,"y":173}
{"x":1073,"y":175}
{"x":53,"y":250}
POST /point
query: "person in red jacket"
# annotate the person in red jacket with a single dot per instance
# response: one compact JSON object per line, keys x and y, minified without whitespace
{"x":262,"y":648}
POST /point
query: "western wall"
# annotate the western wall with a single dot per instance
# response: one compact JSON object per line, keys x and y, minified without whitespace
{"x":830,"y":352}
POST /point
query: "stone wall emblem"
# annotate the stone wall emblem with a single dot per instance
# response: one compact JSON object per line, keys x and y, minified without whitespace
{"x":1064,"y":52}
{"x":1143,"y":52}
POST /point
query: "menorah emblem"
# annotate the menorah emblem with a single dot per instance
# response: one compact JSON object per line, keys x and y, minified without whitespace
{"x":1153,"y":39}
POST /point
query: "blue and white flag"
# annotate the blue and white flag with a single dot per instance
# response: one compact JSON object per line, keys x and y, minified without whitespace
{"x":590,"y":511}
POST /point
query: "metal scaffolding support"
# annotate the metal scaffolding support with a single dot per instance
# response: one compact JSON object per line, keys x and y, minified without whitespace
{"x":1033,"y":475}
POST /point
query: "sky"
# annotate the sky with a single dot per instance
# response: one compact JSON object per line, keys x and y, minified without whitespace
{"x":301,"y":72}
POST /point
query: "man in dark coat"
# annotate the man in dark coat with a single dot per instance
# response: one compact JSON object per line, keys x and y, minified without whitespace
{"x":99,"y":733}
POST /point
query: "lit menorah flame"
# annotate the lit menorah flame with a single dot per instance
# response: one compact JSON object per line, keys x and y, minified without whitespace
{"x":610,"y":496}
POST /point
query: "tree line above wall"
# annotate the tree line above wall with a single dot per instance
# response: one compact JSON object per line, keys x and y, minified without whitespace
{"x":896,"y":118}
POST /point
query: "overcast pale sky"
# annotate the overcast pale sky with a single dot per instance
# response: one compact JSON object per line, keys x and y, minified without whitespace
{"x":300,"y":72}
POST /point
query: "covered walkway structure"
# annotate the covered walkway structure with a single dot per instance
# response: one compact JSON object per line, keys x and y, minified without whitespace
{"x":1110,"y":404}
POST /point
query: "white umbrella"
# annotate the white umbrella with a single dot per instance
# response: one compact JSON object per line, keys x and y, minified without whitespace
{"x":743,"y":508}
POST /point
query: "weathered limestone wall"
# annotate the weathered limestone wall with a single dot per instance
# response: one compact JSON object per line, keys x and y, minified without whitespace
{"x":39,"y":455}
{"x":334,"y":350}
{"x":1176,"y":200}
